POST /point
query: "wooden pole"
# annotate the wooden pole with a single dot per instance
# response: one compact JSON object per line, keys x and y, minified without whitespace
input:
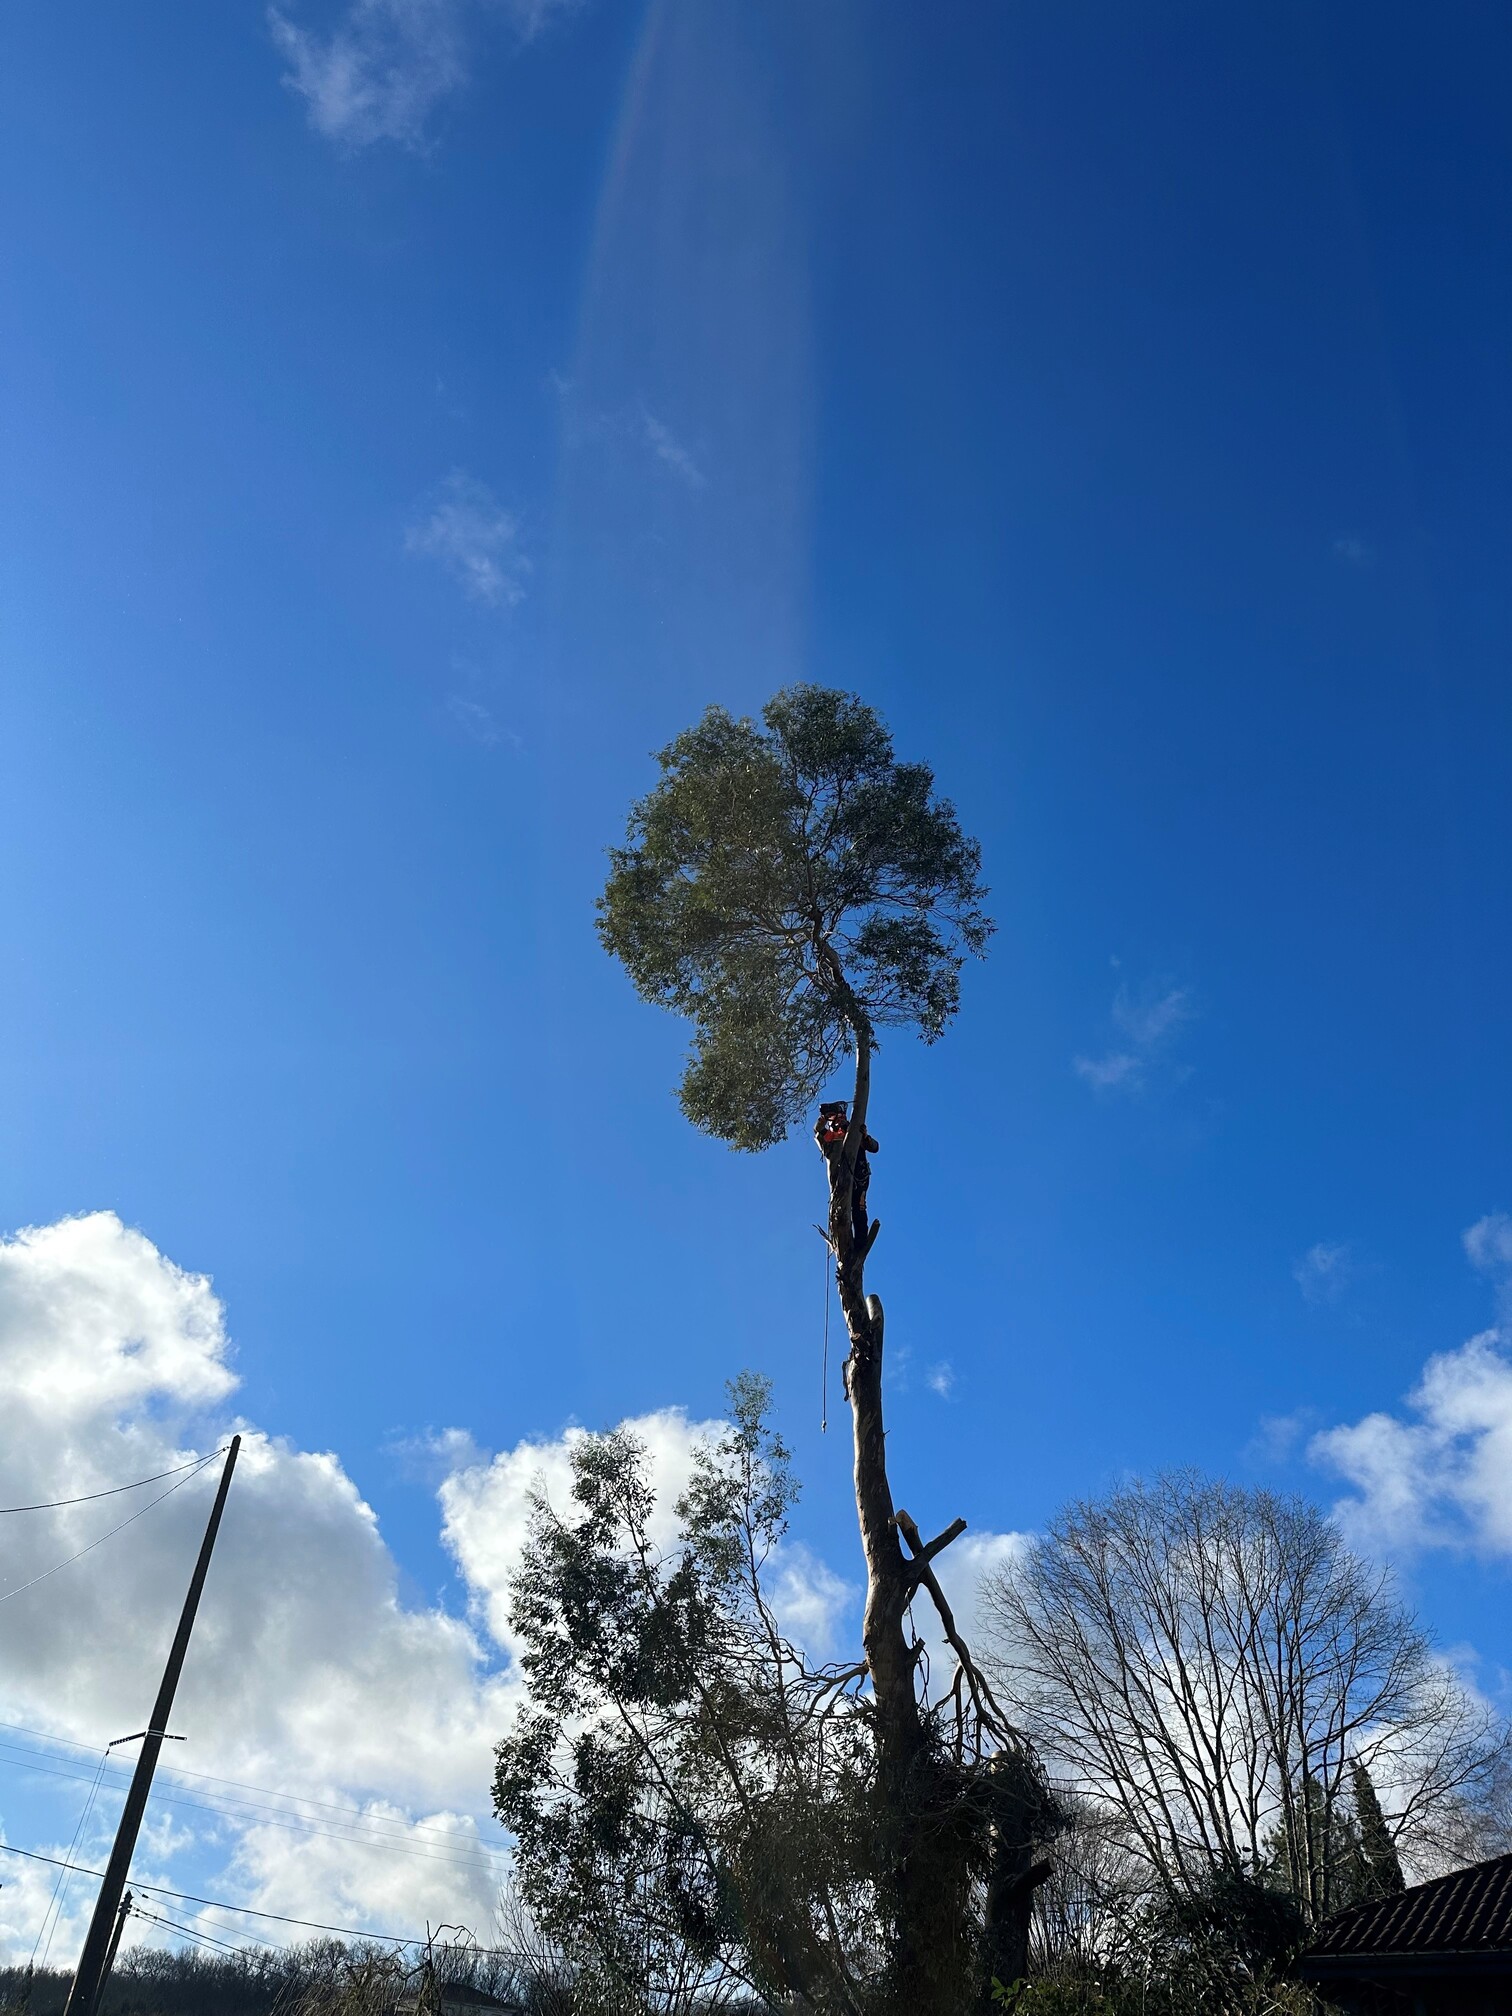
{"x":115,"y":1939}
{"x":99,"y":1943}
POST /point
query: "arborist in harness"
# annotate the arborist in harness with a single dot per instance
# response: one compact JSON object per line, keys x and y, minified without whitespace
{"x":829,"y":1131}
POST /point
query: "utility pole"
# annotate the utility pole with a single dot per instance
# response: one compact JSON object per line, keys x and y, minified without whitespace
{"x":115,"y":1939}
{"x":104,"y":1930}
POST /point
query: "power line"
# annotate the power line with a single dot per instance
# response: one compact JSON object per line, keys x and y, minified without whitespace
{"x":56,"y":1504}
{"x":107,"y":1536}
{"x":346,"y":1815}
{"x":269,"y":1917}
{"x":204,"y":1938}
{"x":243,"y":1785}
{"x":352,"y":1833}
{"x":218,"y":1904}
{"x":54,"y":1905}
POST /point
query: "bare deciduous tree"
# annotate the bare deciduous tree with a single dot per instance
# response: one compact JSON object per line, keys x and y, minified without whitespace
{"x":1208,"y":1664}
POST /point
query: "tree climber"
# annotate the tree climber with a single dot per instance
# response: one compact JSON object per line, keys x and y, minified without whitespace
{"x":829,"y":1131}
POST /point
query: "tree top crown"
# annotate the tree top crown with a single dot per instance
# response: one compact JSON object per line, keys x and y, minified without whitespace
{"x":791,"y":888}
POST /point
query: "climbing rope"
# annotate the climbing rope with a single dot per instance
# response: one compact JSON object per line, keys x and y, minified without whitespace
{"x":824,"y":1372}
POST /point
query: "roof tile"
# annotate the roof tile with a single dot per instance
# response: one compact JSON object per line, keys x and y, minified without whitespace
{"x":1468,"y":1911}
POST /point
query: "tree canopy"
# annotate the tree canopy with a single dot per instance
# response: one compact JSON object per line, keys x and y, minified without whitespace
{"x":791,"y":887}
{"x":687,"y":1795}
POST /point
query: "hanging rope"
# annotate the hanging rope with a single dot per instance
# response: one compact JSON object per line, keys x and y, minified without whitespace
{"x":829,"y":1254}
{"x":824,"y":1372}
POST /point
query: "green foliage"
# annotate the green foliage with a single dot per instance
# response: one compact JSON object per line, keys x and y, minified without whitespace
{"x":1051,"y":1998}
{"x":1380,"y":1865}
{"x":688,"y":1801}
{"x":790,"y":886}
{"x":1235,"y":1922}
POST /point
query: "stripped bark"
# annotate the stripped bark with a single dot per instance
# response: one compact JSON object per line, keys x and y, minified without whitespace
{"x":939,"y":1810}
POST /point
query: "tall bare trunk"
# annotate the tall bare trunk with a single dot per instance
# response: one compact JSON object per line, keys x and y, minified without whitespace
{"x":919,"y":1833}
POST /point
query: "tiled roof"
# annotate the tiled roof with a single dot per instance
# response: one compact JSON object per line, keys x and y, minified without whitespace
{"x":1469,"y":1911}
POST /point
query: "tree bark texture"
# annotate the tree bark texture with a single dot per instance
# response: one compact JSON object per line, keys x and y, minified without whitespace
{"x":918,"y":1801}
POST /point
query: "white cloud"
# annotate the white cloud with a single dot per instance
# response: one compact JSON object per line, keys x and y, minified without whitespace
{"x":1276,"y":1439}
{"x":1117,"y":1067}
{"x":475,"y":539}
{"x":1323,"y":1271}
{"x":941,"y":1378}
{"x":1148,"y":1019}
{"x":487,"y":1507}
{"x":385,"y":66}
{"x":1488,"y":1243}
{"x":306,"y":1670}
{"x":1488,"y":1246}
{"x":962,"y":1569}
{"x":477,"y":722}
{"x":633,"y":424}
{"x":379,"y":73}
{"x":1151,"y":1015}
{"x":668,"y":449}
{"x":810,"y":1600}
{"x":1443,"y":1475}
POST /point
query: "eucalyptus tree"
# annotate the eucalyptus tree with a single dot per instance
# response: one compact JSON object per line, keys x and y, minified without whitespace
{"x":687,"y":1795}
{"x":794,"y":890}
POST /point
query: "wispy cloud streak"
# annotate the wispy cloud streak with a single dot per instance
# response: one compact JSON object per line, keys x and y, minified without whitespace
{"x":385,"y":66}
{"x":1146,"y":1020}
{"x":475,"y":539}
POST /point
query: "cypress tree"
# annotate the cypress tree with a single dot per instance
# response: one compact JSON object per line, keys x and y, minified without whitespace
{"x":1383,"y":1868}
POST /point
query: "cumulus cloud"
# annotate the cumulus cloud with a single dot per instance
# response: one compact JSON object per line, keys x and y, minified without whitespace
{"x":487,"y":1507}
{"x":811,"y":1601}
{"x":306,"y":1670}
{"x":1440,"y":1474}
{"x":962,"y":1570}
{"x":1147,"y":1020}
{"x":382,"y":69}
{"x":941,"y":1379}
{"x":475,"y":539}
{"x":358,"y":1730}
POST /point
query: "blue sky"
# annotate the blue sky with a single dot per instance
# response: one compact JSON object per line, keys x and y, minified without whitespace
{"x":416,"y":411}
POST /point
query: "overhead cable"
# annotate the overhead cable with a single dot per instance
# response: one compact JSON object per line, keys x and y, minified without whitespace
{"x":474,"y":1855}
{"x":345,"y":1813}
{"x":110,"y":1535}
{"x":219,"y":1904}
{"x":56,"y":1504}
{"x":203,"y":1938}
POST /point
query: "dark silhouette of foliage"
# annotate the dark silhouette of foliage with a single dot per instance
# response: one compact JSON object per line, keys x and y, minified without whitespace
{"x":686,"y":1793}
{"x":792,"y":888}
{"x":786,"y":884}
{"x":1381,"y":1867}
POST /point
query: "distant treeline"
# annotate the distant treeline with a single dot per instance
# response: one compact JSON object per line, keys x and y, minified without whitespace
{"x":317,"y":1979}
{"x":151,"y":1982}
{"x":333,"y":1978}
